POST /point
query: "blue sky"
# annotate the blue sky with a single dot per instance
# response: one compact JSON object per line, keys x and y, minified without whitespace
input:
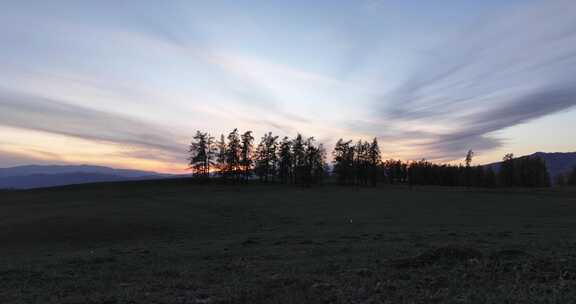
{"x":126,"y":83}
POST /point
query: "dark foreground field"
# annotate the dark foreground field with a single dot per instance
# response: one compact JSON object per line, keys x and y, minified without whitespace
{"x":178,"y":243}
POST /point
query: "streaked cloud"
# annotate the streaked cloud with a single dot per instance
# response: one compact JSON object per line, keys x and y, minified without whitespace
{"x":510,"y":70}
{"x":139,"y":79}
{"x":41,"y":114}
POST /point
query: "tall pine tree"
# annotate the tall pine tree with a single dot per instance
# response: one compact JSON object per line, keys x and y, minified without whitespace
{"x":233,"y":152}
{"x":375,"y":161}
{"x":201,"y":154}
{"x":468,"y":162}
{"x":285,"y":160}
{"x":221,"y":149}
{"x":342,"y":162}
{"x":298,"y":157}
{"x":266,"y":157}
{"x":314,"y":162}
{"x":246,"y":154}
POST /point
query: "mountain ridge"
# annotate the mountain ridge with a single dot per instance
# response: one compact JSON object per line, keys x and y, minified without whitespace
{"x":556,"y":162}
{"x":40,"y":176}
{"x":60,"y":169}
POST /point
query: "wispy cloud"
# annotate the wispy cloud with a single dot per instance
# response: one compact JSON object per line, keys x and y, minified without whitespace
{"x":146,"y":72}
{"x":41,"y":114}
{"x":10,"y":158}
{"x":513,"y":69}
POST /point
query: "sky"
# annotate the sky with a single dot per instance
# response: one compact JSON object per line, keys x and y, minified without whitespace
{"x":127,"y":83}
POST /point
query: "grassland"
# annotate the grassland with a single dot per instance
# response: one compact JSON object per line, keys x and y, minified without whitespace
{"x":172,"y":242}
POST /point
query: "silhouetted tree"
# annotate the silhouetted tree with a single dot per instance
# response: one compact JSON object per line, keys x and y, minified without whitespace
{"x":343,"y":161}
{"x":356,"y":164}
{"x":572,"y":177}
{"x":361,"y":162}
{"x":478,"y":176}
{"x":533,"y":172}
{"x":285,"y":160}
{"x":396,"y":171}
{"x":261,"y":164}
{"x":246,"y":154}
{"x":211,"y":153}
{"x":521,"y":172}
{"x":490,"y":178}
{"x":420,"y":173}
{"x":266,"y":157}
{"x":314,"y":162}
{"x":468,"y":159}
{"x":221,"y":155}
{"x":298,"y":157}
{"x":375,"y":160}
{"x":320,"y":166}
{"x":468,"y":162}
{"x":233,"y":168}
{"x":528,"y":171}
{"x":201,"y":154}
{"x":507,"y":170}
{"x":560,"y":180}
{"x":302,"y":161}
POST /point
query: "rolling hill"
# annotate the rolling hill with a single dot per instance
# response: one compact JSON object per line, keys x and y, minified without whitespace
{"x":556,"y":162}
{"x":37,"y":176}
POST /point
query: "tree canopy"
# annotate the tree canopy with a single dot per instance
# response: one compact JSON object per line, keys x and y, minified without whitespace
{"x":302,"y":161}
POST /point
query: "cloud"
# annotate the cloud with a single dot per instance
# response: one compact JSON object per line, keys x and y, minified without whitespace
{"x":52,"y":116}
{"x":167,"y":61}
{"x":10,"y":158}
{"x":146,"y":154}
{"x":514,"y":69}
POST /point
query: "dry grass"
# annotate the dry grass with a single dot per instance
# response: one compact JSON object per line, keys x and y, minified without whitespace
{"x":175,"y":243}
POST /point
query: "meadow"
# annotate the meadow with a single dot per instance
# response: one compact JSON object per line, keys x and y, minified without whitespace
{"x":175,"y":242}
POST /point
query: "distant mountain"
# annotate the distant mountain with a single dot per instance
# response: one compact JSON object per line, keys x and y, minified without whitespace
{"x":36,"y":176}
{"x":556,"y":162}
{"x":61,"y":169}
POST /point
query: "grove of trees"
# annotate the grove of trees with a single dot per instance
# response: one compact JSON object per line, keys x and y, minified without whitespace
{"x":301,"y":160}
{"x":234,"y":158}
{"x":566,"y":179}
{"x":520,"y":172}
{"x":359,"y":163}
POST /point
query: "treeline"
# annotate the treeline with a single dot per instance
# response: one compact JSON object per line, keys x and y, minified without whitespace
{"x":566,"y":179}
{"x":300,"y":160}
{"x":529,"y":171}
{"x":235,"y":158}
{"x":360,"y":164}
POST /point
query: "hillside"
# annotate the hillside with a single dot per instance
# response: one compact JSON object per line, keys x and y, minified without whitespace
{"x":171,"y":241}
{"x":556,"y":162}
{"x":36,"y":176}
{"x":63,"y":169}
